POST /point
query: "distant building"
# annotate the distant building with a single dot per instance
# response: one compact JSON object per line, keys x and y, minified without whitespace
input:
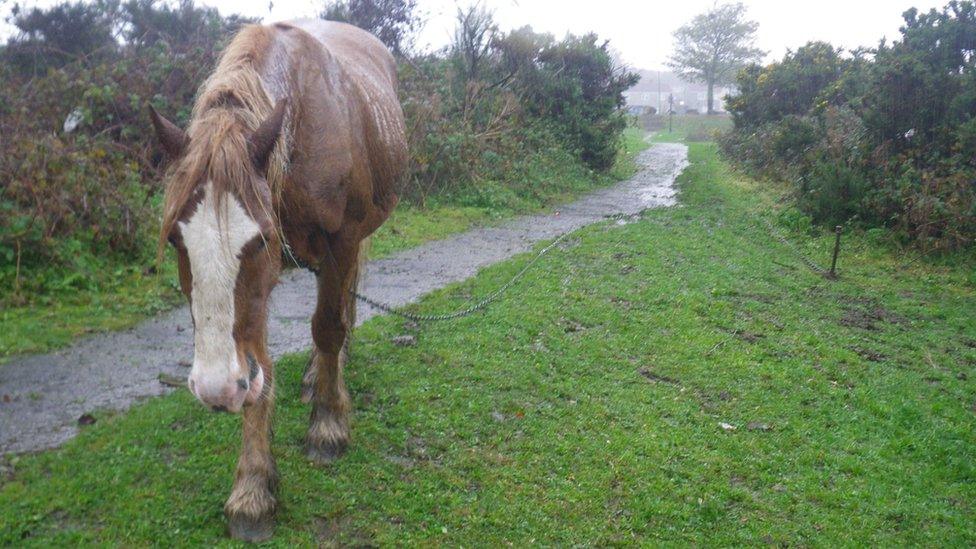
{"x":651,"y":93}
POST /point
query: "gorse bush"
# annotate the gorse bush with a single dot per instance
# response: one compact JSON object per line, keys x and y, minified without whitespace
{"x":576,"y":87}
{"x":882,"y":138}
{"x":79,"y":163}
{"x":482,"y":108}
{"x":81,"y":168}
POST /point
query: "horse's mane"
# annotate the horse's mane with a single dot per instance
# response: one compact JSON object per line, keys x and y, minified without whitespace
{"x":230,"y":106}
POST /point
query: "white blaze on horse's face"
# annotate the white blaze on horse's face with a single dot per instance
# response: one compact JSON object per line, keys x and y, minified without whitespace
{"x":213,"y":236}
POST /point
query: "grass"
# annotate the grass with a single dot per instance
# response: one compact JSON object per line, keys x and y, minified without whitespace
{"x":687,"y":127}
{"x":116,"y":302}
{"x":111,"y":297}
{"x":679,"y":379}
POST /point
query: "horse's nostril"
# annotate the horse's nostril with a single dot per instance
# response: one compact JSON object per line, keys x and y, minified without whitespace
{"x":219,"y":408}
{"x":242,"y":383}
{"x":252,"y":366}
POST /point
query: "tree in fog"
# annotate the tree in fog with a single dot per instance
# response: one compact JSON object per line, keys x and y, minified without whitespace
{"x":714,"y":46}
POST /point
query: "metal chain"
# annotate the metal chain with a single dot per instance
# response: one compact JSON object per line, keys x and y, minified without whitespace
{"x":796,"y":251}
{"x":388,"y":308}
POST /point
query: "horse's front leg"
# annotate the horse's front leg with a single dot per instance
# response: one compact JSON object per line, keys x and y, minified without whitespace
{"x":251,"y":507}
{"x":328,"y":430}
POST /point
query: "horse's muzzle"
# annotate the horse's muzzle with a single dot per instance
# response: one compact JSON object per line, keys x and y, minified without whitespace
{"x":227,"y":393}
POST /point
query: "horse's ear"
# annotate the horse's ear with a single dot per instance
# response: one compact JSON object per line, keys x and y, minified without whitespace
{"x":170,"y":136}
{"x":263,"y":140}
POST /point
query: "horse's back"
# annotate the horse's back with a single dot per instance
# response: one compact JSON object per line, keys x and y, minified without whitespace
{"x":371,"y":71}
{"x":349,"y":45}
{"x":354,"y":122}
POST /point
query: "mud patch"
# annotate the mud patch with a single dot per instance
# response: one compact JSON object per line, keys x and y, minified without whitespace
{"x":749,"y":337}
{"x":868,"y":314}
{"x":869,"y":355}
{"x":56,"y":522}
{"x":571,"y":326}
{"x":657,"y":378}
{"x":622,"y":303}
{"x":340,"y":532}
{"x":765,"y":299}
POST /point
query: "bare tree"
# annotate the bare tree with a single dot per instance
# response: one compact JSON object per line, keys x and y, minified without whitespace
{"x":714,"y":46}
{"x":395,"y":22}
{"x":474,"y":38}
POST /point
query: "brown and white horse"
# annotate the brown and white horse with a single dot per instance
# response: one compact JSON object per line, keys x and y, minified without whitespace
{"x":297,"y":137}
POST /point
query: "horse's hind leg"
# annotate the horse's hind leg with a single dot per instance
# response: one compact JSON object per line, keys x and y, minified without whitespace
{"x":251,"y":507}
{"x":328,"y":431}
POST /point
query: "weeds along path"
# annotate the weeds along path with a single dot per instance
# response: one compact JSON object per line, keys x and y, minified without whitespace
{"x":43,"y":396}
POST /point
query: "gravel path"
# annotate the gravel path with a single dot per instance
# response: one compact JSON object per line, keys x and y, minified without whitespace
{"x":42,"y":396}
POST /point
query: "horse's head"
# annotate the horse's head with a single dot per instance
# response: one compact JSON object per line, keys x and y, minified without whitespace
{"x":218,"y":216}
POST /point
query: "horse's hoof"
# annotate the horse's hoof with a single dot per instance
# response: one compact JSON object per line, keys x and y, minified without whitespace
{"x":250,"y":529}
{"x":324,"y":453}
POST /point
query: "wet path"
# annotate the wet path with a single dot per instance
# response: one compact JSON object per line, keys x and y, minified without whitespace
{"x":42,"y":396}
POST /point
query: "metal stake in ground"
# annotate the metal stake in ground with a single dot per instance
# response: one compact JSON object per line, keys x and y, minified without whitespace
{"x":833,"y":261}
{"x":670,"y":112}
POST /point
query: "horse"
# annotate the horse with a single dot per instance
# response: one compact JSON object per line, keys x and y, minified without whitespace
{"x":295,"y":145}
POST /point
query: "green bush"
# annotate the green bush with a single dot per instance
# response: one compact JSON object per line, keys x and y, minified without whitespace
{"x":832,"y":192}
{"x":495,"y":98}
{"x":802,"y":81}
{"x":883,"y":142}
{"x":579,"y":90}
{"x":78,"y":198}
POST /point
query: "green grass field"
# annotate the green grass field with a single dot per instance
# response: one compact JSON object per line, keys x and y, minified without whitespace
{"x":679,"y":379}
{"x":112,"y":297}
{"x":686,"y":127}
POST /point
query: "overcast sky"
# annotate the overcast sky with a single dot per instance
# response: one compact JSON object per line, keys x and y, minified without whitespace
{"x":639,"y":30}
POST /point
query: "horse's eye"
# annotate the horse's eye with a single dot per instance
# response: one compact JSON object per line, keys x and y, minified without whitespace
{"x":261,"y":244}
{"x":172,"y":240}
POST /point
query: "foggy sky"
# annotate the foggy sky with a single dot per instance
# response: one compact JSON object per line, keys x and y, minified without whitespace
{"x":639,"y":30}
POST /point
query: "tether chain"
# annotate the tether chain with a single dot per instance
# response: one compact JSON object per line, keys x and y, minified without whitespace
{"x":796,"y":251}
{"x":387,"y":308}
